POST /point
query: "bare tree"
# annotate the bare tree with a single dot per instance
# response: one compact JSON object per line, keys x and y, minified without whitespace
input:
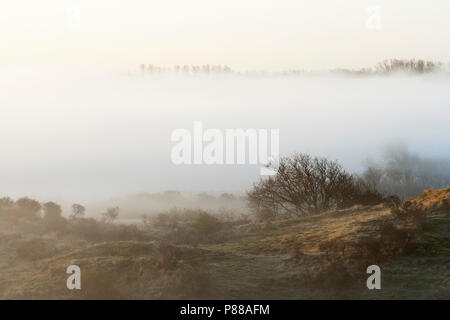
{"x":412,"y":65}
{"x":110,"y":215}
{"x":78,"y":211}
{"x":405,"y":174}
{"x":305,"y":185}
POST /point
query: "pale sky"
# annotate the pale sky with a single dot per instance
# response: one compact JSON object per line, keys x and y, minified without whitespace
{"x":69,"y":130}
{"x":262,"y":34}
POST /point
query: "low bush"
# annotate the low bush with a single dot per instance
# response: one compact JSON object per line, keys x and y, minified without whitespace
{"x":187,"y":227}
{"x":409,"y":212}
{"x":168,"y":256}
{"x":187,"y":282}
{"x":100,"y":285}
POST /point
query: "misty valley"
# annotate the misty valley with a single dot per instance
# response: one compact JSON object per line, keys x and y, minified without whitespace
{"x":205,"y":183}
{"x":312,"y":230}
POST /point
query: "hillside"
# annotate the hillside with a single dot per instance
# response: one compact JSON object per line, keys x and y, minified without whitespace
{"x":321,"y":256}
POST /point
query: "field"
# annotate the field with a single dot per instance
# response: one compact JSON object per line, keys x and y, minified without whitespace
{"x":286,"y":259}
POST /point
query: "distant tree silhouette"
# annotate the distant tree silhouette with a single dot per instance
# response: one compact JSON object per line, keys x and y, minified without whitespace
{"x":52,"y":210}
{"x":110,"y":215}
{"x":405,"y":174}
{"x":78,"y":211}
{"x":6,"y":203}
{"x":28,"y":207}
{"x":412,"y":65}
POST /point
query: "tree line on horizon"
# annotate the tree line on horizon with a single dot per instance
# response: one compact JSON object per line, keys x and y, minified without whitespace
{"x":387,"y":66}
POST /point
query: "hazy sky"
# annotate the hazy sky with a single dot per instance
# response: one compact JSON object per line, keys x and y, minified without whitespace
{"x":78,"y":136}
{"x":260,"y":34}
{"x":69,"y":130}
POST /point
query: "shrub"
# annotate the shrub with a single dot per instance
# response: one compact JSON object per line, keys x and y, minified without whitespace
{"x":78,"y":211}
{"x":28,"y":208}
{"x":305,"y":185}
{"x":205,"y":224}
{"x":168,"y":256}
{"x":392,"y":201}
{"x":87,"y":228}
{"x":341,"y":257}
{"x":110,"y":215}
{"x":93,"y":230}
{"x":99,"y":285}
{"x":6,"y":203}
{"x":22,"y":208}
{"x":335,"y":273}
{"x":186,"y":226}
{"x":409,"y":212}
{"x":35,"y":249}
{"x":187,"y":282}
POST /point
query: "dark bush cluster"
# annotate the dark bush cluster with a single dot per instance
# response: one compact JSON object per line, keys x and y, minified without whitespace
{"x":409,"y":212}
{"x":189,"y":226}
{"x":305,"y":185}
{"x":23,"y":208}
{"x":47,"y":217}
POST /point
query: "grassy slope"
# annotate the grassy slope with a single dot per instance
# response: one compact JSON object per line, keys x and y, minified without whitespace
{"x":257,"y":265}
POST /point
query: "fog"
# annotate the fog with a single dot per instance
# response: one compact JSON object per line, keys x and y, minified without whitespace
{"x":83,"y":136}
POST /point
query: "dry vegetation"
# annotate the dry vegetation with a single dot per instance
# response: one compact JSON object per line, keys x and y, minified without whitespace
{"x":314,"y":231}
{"x":388,"y":66}
{"x":314,"y":256}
